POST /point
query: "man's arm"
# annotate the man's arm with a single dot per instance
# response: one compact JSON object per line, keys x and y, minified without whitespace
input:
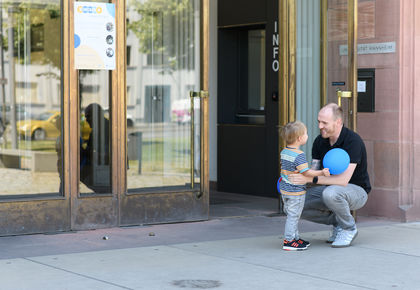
{"x":313,"y":173}
{"x":340,"y":179}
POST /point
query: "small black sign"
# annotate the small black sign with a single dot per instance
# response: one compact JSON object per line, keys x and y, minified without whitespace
{"x":338,"y":83}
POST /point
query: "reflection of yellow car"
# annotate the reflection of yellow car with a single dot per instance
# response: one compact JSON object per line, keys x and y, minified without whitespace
{"x":47,"y":126}
{"x":42,"y":127}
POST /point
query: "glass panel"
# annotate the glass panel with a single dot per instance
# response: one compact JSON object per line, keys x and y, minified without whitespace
{"x":308,"y":67}
{"x":337,"y":61}
{"x":162,"y":68}
{"x":256,"y":70}
{"x":30,"y":98}
{"x":95,"y":154}
{"x":250,"y":62}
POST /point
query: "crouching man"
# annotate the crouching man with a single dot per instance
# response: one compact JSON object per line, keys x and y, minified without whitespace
{"x":331,"y":201}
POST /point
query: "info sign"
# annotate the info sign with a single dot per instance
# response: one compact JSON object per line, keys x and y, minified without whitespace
{"x":94,"y":35}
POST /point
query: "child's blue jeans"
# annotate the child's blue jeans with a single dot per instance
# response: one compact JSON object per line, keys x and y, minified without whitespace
{"x":293,"y":206}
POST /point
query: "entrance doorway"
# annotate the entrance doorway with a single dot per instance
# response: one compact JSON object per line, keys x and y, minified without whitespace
{"x":247,"y":135}
{"x":313,"y":65}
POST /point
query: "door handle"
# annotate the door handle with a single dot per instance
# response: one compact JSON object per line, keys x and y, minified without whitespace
{"x":201,"y":95}
{"x":343,"y":94}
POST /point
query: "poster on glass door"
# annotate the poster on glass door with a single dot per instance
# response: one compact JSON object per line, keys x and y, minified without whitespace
{"x":94,"y":35}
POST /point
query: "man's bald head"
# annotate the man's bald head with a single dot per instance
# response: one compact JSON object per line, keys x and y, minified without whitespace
{"x":334,"y":109}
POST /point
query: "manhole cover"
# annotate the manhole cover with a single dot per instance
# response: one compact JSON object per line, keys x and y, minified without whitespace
{"x":197,"y":284}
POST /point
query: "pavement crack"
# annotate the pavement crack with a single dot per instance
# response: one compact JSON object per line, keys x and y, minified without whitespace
{"x":405,"y":227}
{"x":273,"y":268}
{"x":388,"y":252}
{"x":77,"y":274}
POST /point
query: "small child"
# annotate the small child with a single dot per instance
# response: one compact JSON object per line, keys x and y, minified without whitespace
{"x":293,"y":196}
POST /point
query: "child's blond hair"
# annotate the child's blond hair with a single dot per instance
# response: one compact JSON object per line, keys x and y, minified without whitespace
{"x":292,"y":131}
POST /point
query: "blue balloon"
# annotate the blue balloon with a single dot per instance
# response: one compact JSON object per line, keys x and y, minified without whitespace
{"x":336,"y":160}
{"x":278,"y":185}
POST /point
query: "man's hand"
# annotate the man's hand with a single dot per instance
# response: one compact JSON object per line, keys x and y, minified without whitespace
{"x":299,"y":179}
{"x":326,"y":172}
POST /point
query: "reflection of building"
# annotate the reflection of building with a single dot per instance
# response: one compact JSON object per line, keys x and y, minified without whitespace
{"x":156,"y":82}
{"x":37,"y":87}
{"x":260,"y":72}
{"x":36,"y":65}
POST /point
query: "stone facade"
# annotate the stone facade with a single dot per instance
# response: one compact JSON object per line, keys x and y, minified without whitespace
{"x":392,"y":132}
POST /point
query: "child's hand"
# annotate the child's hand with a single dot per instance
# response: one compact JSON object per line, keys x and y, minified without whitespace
{"x":326,"y":172}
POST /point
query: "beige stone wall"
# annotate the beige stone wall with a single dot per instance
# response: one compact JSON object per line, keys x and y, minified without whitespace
{"x":409,"y":197}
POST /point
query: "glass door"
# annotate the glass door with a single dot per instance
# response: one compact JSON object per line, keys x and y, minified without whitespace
{"x":340,"y":54}
{"x":30,"y":99}
{"x":326,"y":60}
{"x":165,"y":111}
{"x":140,"y":142}
{"x":89,"y":148}
{"x":326,"y":34}
{"x":163,"y":67}
{"x":32,"y":157}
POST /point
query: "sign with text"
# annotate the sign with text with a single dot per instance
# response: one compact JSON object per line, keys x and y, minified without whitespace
{"x":94,"y":35}
{"x":275,"y":65}
{"x":361,"y":86}
{"x":370,"y":48}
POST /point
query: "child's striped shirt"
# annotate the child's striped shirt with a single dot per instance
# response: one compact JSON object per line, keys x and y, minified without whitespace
{"x":292,"y":160}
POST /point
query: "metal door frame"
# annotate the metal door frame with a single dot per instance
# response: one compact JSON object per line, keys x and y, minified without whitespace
{"x":94,"y":211}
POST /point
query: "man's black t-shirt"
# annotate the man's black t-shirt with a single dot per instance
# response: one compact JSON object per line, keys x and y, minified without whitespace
{"x":354,"y":146}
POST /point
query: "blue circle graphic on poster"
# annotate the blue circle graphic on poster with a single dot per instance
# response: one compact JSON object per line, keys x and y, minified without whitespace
{"x":76,"y":41}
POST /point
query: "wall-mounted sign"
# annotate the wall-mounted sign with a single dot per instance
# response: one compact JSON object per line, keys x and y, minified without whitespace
{"x":371,"y":48}
{"x":338,"y":83}
{"x":94,"y":35}
{"x":275,"y":65}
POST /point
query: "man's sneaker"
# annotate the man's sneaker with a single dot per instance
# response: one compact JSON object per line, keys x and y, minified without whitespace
{"x":293,"y":246}
{"x":344,"y":238}
{"x":303,"y":242}
{"x":334,"y":234}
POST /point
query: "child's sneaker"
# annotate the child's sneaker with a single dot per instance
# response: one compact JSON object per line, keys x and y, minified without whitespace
{"x":293,"y":246}
{"x":303,"y":242}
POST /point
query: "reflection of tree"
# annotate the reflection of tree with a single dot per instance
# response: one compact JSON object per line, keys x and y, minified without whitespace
{"x":33,"y":37}
{"x":156,"y":30}
{"x":36,"y":29}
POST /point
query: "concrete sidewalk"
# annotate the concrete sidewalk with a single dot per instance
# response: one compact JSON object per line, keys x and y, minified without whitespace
{"x":222,"y":253}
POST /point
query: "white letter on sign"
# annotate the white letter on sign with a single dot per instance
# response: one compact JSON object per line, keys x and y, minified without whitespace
{"x":275,"y":65}
{"x":275,"y":52}
{"x":275,"y":39}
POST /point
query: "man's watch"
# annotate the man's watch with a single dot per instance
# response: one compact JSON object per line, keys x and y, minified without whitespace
{"x":315,"y":180}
